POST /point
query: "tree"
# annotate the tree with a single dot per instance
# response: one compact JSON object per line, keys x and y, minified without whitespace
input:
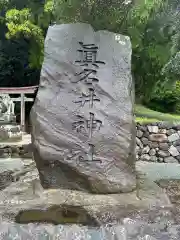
{"x":151,"y":24}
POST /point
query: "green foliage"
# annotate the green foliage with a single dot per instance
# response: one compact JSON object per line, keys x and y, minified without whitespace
{"x":100,"y":14}
{"x":172,"y":68}
{"x":167,"y":100}
{"x":153,"y":25}
{"x":28,"y":21}
{"x":144,"y":114}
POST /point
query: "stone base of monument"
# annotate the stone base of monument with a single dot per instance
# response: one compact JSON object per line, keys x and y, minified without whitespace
{"x":10,"y":133}
{"x":26,"y":201}
{"x":25,"y":204}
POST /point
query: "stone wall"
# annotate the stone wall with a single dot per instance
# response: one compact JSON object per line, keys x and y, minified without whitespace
{"x":15,"y":151}
{"x":158,"y":142}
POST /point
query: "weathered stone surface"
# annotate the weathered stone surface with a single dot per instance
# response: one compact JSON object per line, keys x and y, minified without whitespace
{"x":178,"y":148}
{"x":25,"y":201}
{"x":139,"y":133}
{"x":153,"y":129}
{"x":174,"y":137}
{"x":163,"y":227}
{"x":5,"y":178}
{"x":145,"y":149}
{"x":10,"y":133}
{"x":137,"y":149}
{"x":161,"y":153}
{"x":163,"y":130}
{"x":152,"y":152}
{"x":178,"y":127}
{"x":82,"y":215}
{"x":153,"y":144}
{"x":6,"y":109}
{"x":170,"y":132}
{"x":178,"y":158}
{"x":142,"y":128}
{"x":76,"y":108}
{"x":158,"y":137}
{"x":172,"y":187}
{"x":145,"y":157}
{"x":146,"y":134}
{"x":173,"y":151}
{"x":163,"y":146}
{"x":139,"y":143}
{"x":160,"y":159}
{"x":153,"y":158}
{"x":176,"y":143}
{"x":145,"y":141}
{"x":170,"y":160}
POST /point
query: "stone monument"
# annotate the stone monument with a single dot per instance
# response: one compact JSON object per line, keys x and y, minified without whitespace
{"x":6,"y":109}
{"x":83,"y":137}
{"x":83,"y":128}
{"x":9,"y":130}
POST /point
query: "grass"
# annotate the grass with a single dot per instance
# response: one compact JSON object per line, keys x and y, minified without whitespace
{"x":146,"y":115}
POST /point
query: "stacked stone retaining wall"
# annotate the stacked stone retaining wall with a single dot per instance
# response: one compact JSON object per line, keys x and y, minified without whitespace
{"x":158,"y":142}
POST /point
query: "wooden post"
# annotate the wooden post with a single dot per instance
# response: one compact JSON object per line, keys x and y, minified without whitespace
{"x":22,"y":113}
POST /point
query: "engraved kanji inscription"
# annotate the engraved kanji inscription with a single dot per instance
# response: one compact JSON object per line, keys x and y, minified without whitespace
{"x":74,"y":155}
{"x":88,"y":54}
{"x":86,"y":75}
{"x":88,"y":59}
{"x":87,"y":125}
{"x":91,"y":97}
{"x":91,"y":152}
{"x":79,"y":157}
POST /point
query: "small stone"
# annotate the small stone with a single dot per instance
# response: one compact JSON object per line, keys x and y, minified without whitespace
{"x":5,"y":155}
{"x":144,"y":141}
{"x":26,"y":155}
{"x":163,"y":130}
{"x":173,"y":151}
{"x":160,"y":159}
{"x":153,"y":145}
{"x":153,"y":129}
{"x":7,"y":150}
{"x":176,"y":143}
{"x":139,"y":133}
{"x":178,"y":158}
{"x":137,"y":148}
{"x":15,"y":155}
{"x":146,"y":134}
{"x":178,"y":127}
{"x":163,"y":154}
{"x":15,"y":149}
{"x":153,"y":158}
{"x":1,"y":152}
{"x":175,"y":127}
{"x":158,"y":138}
{"x":170,"y":132}
{"x":170,"y":160}
{"x":142,"y":128}
{"x":145,"y":150}
{"x":165,"y":125}
{"x":178,"y":148}
{"x":139,"y":143}
{"x":173,"y":137}
{"x":163,"y":146}
{"x":152,"y":152}
{"x":145,"y":157}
